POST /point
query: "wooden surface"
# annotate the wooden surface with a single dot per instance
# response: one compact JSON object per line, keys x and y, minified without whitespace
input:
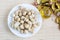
{"x":49,"y":30}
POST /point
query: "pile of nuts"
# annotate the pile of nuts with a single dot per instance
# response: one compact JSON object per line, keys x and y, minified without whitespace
{"x":24,"y":20}
{"x":49,"y":7}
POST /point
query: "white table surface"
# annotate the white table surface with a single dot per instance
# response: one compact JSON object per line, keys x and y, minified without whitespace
{"x":49,"y":30}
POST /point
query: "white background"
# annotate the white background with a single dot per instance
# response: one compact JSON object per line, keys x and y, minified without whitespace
{"x":49,"y":30}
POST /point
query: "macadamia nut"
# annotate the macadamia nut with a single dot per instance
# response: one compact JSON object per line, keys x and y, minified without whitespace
{"x":21,"y":27}
{"x":16,"y":24}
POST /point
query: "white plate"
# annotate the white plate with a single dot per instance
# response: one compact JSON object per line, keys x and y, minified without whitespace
{"x":28,"y":6}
